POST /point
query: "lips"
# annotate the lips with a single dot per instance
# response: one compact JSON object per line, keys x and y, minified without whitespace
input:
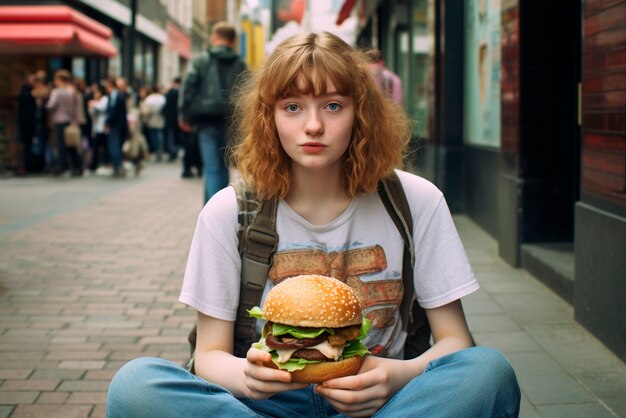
{"x":313,"y":147}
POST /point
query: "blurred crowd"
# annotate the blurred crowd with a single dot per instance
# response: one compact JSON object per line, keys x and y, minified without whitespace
{"x":68,"y":128}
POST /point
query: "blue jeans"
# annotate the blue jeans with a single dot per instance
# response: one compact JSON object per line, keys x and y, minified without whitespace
{"x":155,"y":137}
{"x":212,"y":139}
{"x":171,"y":140}
{"x":477,"y":382}
{"x":114,"y":146}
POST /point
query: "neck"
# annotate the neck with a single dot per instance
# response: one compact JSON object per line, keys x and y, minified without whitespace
{"x":317,"y":196}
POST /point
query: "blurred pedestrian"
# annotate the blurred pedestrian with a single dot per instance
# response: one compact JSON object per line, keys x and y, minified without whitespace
{"x":205,"y":102}
{"x":170,"y":112}
{"x":64,"y":111}
{"x":117,"y":125}
{"x":84,"y":95}
{"x":192,"y":159}
{"x":151,"y":109}
{"x":135,"y":148}
{"x":98,"y":106}
{"x":26,"y":113}
{"x":387,"y":80}
{"x":42,"y":146}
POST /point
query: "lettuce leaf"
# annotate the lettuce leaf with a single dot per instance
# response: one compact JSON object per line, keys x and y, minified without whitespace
{"x":292,"y":364}
{"x":256,"y":312}
{"x":298,"y":332}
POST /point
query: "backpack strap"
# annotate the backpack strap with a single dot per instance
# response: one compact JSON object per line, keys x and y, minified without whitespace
{"x":258,"y":241}
{"x":414,"y":319}
{"x":392,"y":195}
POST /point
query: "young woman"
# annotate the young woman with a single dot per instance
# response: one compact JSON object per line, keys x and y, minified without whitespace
{"x":316,"y":132}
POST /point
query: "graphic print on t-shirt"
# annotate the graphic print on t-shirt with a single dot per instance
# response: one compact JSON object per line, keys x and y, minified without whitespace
{"x":379,"y":297}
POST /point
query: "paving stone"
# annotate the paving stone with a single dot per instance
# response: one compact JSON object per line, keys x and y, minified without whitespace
{"x":98,"y":412}
{"x":91,"y":398}
{"x":585,"y":410}
{"x":17,"y":397}
{"x":15,"y":374}
{"x":605,"y":385}
{"x":77,"y":355}
{"x":99,"y":375}
{"x":31,"y":384}
{"x":617,"y":405}
{"x":534,"y":364}
{"x":5,"y":411}
{"x":53,"y":398}
{"x":575,"y":349}
{"x":553,"y":389}
{"x":491,"y":323}
{"x":52,"y":411}
{"x":507,"y":342}
{"x":527,"y":410}
{"x":82,"y":365}
{"x":57,"y":373}
{"x":477,"y":304}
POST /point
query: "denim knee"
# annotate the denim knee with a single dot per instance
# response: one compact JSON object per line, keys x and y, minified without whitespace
{"x":496,"y":368}
{"x":130,"y":389}
{"x":492,"y":378}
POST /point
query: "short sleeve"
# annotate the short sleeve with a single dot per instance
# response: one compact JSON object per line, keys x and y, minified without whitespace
{"x":212,"y":274}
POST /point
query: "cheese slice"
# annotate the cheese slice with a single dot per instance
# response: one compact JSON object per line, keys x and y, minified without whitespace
{"x":323,"y":347}
{"x":284,"y":355}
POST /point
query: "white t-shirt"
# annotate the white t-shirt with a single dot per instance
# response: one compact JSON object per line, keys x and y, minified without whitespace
{"x":361,"y":247}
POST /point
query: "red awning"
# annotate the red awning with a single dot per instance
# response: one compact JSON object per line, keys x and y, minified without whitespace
{"x":345,"y":11}
{"x":52,"y":30}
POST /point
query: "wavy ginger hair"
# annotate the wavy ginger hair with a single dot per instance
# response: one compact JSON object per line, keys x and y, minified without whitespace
{"x":301,"y":65}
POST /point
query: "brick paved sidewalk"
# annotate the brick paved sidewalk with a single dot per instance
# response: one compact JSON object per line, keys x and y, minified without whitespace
{"x":90,"y":271}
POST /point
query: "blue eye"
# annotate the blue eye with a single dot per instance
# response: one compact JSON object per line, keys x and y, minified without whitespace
{"x":333,"y":107}
{"x":291,"y":108}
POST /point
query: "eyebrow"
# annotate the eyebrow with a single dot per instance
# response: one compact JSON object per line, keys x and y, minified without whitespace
{"x":327,"y":94}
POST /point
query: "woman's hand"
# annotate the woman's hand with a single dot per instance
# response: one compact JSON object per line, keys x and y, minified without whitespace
{"x":262,"y":381}
{"x":363,"y":394}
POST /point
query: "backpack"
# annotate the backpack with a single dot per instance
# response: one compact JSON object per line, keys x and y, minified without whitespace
{"x":258,"y":241}
{"x":207,"y":94}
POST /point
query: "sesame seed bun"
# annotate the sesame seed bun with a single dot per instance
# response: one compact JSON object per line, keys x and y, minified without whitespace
{"x":321,"y":372}
{"x":313,"y":301}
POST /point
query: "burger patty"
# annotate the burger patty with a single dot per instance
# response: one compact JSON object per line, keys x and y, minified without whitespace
{"x":290,"y":343}
{"x":310,"y":355}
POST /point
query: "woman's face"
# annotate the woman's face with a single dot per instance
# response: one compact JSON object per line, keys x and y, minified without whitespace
{"x":315,"y":131}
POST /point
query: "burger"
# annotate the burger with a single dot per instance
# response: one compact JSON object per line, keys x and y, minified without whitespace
{"x":314,"y":328}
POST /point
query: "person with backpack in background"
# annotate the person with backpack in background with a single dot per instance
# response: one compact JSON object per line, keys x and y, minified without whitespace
{"x":204,"y":103}
{"x":317,"y":136}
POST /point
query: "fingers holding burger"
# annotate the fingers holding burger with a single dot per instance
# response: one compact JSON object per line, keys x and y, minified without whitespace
{"x":314,"y":328}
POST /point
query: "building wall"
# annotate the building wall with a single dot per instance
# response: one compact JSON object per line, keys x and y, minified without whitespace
{"x":604,"y":98}
{"x":600,"y":289}
{"x":179,"y":26}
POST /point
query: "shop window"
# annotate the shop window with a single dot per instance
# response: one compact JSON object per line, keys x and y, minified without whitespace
{"x":419,"y":89}
{"x":481,"y":107}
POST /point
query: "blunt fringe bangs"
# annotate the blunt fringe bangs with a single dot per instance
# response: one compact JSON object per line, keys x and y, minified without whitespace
{"x":302,"y":64}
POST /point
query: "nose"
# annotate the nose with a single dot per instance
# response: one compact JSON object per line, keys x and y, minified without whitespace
{"x":314,"y":125}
